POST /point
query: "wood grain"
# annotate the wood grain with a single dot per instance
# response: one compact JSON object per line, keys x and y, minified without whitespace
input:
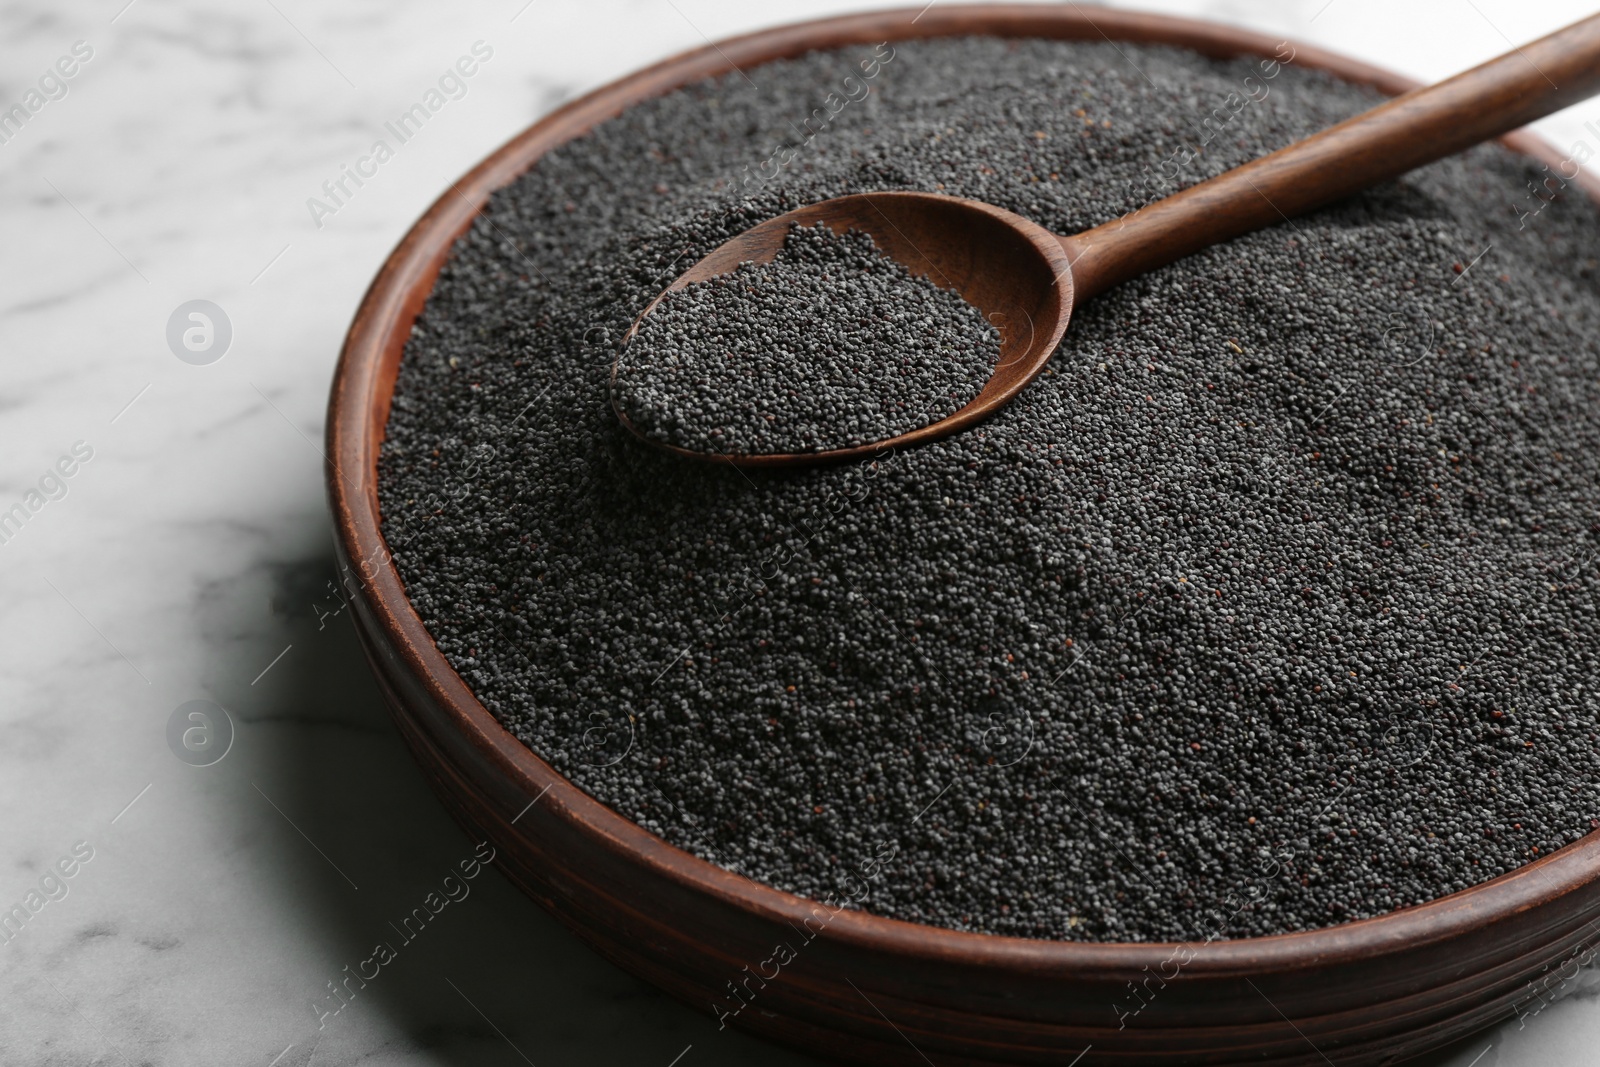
{"x":1361,"y":993}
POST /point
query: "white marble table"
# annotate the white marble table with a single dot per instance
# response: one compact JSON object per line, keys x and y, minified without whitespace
{"x":184,"y":559}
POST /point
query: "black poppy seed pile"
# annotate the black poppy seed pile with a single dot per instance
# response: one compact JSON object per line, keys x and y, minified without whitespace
{"x":1271,"y":605}
{"x":830,"y":345}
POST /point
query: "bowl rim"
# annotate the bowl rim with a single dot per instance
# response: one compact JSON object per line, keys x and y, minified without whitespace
{"x":358,"y":410}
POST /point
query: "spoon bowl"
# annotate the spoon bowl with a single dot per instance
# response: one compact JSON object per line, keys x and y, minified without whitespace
{"x":1014,"y":271}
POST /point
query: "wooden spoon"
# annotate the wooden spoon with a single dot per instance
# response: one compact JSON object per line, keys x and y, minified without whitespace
{"x":1026,"y":280}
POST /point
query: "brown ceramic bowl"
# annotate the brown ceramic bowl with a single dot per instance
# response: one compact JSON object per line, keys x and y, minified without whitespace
{"x":868,"y":989}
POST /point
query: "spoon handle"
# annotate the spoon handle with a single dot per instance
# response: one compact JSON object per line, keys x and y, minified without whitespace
{"x":1407,"y":132}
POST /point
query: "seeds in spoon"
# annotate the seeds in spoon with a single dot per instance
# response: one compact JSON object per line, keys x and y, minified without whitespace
{"x":830,"y":345}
